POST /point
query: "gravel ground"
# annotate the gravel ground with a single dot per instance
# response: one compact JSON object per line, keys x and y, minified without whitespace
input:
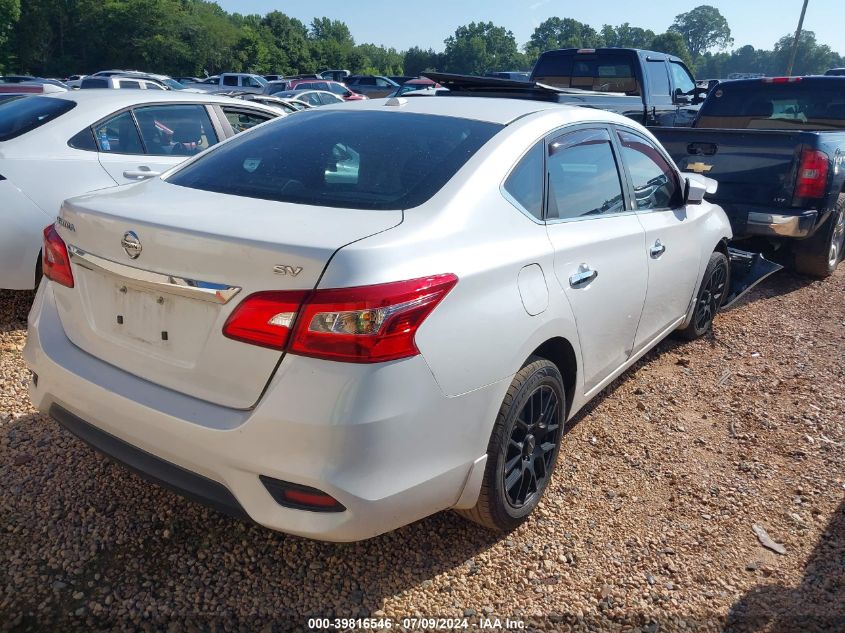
{"x":646,"y":526}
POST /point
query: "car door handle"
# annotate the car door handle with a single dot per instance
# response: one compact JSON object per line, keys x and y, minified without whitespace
{"x":583,"y":277}
{"x":141,"y":173}
{"x":657,"y":250}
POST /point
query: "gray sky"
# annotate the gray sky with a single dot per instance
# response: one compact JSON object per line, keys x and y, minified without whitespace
{"x":427,"y":23}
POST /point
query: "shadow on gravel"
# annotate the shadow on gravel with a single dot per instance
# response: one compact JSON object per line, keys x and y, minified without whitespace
{"x":14,"y":308}
{"x":781,"y":283}
{"x":148,"y":558}
{"x":817,"y":604}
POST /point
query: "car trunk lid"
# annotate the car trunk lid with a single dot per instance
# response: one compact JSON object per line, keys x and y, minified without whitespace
{"x":158,"y":268}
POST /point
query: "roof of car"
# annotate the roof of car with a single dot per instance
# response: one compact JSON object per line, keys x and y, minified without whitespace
{"x":489,"y":109}
{"x":116,"y":98}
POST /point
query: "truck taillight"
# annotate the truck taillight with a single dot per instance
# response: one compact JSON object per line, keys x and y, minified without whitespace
{"x":55,"y":263}
{"x":364,"y":324}
{"x":812,"y":174}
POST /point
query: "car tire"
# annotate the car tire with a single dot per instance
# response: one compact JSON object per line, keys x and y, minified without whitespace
{"x":523,"y":447}
{"x":714,"y":288}
{"x":819,"y":255}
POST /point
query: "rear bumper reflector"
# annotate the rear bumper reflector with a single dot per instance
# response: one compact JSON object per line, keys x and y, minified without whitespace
{"x":300,"y":497}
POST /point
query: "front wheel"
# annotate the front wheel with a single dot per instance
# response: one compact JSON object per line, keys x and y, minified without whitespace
{"x":711,"y":295}
{"x":523,"y":447}
{"x":818,"y":256}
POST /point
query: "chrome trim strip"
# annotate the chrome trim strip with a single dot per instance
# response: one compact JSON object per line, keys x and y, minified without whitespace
{"x":168,"y":284}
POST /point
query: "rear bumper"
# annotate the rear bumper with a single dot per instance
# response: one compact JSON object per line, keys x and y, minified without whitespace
{"x":381,"y":439}
{"x":772,"y":223}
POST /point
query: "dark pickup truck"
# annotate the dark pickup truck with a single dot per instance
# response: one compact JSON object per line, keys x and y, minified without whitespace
{"x":651,"y":88}
{"x":776,"y":146}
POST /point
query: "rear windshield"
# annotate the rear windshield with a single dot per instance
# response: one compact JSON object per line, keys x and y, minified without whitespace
{"x":603,"y":72}
{"x":801,"y":105}
{"x":338,"y":158}
{"x":23,"y":114}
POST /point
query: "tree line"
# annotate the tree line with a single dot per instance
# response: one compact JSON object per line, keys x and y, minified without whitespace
{"x":197,"y":37}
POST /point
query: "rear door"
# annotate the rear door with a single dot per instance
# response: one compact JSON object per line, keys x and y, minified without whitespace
{"x":600,"y":259}
{"x":660,"y":105}
{"x":145,"y":141}
{"x":241,"y":118}
{"x":671,"y":234}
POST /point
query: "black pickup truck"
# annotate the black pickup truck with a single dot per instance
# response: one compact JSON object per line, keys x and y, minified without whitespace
{"x":651,"y":88}
{"x":776,"y":146}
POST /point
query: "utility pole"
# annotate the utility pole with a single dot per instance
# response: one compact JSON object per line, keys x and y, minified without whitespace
{"x":797,"y":40}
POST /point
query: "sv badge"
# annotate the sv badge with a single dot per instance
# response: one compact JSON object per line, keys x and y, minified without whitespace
{"x":291,"y":271}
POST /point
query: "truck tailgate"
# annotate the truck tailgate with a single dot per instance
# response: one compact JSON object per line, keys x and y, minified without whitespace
{"x":753,"y":167}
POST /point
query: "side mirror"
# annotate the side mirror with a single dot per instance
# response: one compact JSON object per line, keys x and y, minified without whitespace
{"x":681,"y":97}
{"x":696,"y":187}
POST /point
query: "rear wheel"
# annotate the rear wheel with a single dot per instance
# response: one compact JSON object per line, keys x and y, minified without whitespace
{"x":523,"y":447}
{"x":819,"y":255}
{"x":711,"y":295}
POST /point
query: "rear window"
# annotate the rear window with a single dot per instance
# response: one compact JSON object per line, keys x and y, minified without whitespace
{"x":800,"y":105}
{"x":23,"y":114}
{"x":606,"y":73}
{"x":336,"y":158}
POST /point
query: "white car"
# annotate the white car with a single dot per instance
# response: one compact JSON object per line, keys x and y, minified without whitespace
{"x":60,"y":145}
{"x":395,"y":318}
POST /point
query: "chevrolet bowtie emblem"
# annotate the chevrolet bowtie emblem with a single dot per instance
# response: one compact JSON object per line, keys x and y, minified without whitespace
{"x":699,"y":168}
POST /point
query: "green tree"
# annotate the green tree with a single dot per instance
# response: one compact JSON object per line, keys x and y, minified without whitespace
{"x":480,"y":46}
{"x":813,"y":58}
{"x":416,"y":60}
{"x":673,"y":44}
{"x":291,"y":51}
{"x":702,"y":29}
{"x":626,"y":36}
{"x":563,"y":33}
{"x":10,"y":13}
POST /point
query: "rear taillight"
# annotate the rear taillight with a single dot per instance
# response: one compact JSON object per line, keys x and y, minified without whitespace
{"x":812,"y":174}
{"x":55,"y":263}
{"x":368,"y":324}
{"x":365,"y":324}
{"x":265,"y":318}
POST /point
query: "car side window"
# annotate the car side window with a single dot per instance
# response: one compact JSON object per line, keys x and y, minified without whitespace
{"x":338,"y":89}
{"x":230,"y":80}
{"x":175,"y":130}
{"x":656,"y":184}
{"x":524,"y":185}
{"x":153,"y":86}
{"x":241,"y":120}
{"x":125,"y":83}
{"x":118,"y":135}
{"x":583,"y":176}
{"x":313,"y":98}
{"x":382,"y":83}
{"x":682,"y":78}
{"x":328,"y":98}
{"x":251,"y":82}
{"x":658,"y":78}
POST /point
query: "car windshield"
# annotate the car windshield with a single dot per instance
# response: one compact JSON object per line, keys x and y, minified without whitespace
{"x":797,"y":105}
{"x":338,"y":158}
{"x":24,"y":114}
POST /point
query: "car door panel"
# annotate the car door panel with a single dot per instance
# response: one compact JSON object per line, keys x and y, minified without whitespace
{"x":146,"y":141}
{"x":671,"y":234}
{"x":599,"y":249}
